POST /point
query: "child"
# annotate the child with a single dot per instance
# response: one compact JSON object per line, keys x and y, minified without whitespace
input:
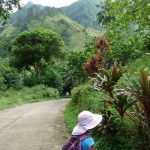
{"x":86,"y":121}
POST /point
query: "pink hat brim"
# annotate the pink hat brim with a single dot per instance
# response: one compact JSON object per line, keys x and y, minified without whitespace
{"x":96,"y":120}
{"x":78,"y":130}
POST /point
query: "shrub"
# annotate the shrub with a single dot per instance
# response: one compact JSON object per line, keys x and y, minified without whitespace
{"x":50,"y":78}
{"x":27,"y":95}
{"x":31,"y":80}
{"x":86,"y":98}
{"x":9,"y":78}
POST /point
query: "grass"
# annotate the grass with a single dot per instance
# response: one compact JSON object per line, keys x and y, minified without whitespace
{"x":39,"y":93}
{"x":133,"y":69}
{"x":70,"y":116}
{"x":83,"y":98}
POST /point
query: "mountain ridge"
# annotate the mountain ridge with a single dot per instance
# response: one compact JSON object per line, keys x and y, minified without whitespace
{"x":73,"y":34}
{"x":82,"y":11}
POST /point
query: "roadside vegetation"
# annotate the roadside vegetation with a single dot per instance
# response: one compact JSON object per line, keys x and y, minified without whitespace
{"x":124,"y":119}
{"x":31,"y":72}
{"x":12,"y":98}
{"x":116,"y":78}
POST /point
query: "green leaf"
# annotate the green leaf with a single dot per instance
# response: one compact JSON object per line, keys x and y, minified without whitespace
{"x":133,"y":84}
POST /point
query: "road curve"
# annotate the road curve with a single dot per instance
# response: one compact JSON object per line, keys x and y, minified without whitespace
{"x":36,"y":126}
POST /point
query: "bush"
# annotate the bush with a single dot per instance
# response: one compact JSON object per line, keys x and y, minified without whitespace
{"x":31,"y":81}
{"x":41,"y":91}
{"x":9,"y":78}
{"x":27,"y":95}
{"x":81,"y":100}
{"x":50,"y":78}
{"x":86,"y":98}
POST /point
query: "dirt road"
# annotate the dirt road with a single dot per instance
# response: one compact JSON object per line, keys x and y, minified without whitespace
{"x":37,"y":126}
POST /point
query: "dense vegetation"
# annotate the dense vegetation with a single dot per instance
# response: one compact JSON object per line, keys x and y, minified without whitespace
{"x":11,"y":97}
{"x":32,"y":57}
{"x":6,"y":7}
{"x":118,"y":83}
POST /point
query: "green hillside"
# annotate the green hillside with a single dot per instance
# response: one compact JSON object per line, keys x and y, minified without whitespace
{"x":84,"y":12}
{"x":74,"y":35}
{"x":142,"y":62}
{"x":20,"y":14}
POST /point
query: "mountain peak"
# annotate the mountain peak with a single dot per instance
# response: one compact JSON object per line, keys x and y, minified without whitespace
{"x":28,"y":4}
{"x":84,"y":12}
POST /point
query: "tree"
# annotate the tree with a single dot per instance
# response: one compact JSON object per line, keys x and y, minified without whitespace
{"x":6,"y":7}
{"x":35,"y":49}
{"x":75,"y":61}
{"x":129,"y":28}
{"x":102,"y":18}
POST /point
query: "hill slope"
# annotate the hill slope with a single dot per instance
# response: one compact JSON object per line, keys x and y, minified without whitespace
{"x":20,"y":14}
{"x":74,"y":35}
{"x":84,"y":12}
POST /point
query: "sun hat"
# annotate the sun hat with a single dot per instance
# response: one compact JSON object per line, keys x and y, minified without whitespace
{"x":86,"y":121}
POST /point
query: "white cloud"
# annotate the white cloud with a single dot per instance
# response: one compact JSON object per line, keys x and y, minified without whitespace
{"x":55,"y":3}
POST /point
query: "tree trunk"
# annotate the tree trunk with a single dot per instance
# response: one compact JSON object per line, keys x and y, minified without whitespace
{"x":37,"y":70}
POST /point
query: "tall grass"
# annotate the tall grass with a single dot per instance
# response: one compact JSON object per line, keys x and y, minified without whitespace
{"x":38,"y":93}
{"x":83,"y":98}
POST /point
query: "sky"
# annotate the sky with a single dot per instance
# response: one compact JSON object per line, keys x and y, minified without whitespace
{"x":52,"y":3}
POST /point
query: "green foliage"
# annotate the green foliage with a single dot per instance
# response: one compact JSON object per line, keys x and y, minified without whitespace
{"x":6,"y":7}
{"x":71,"y":111}
{"x":83,"y":98}
{"x":6,"y":35}
{"x":52,"y":78}
{"x":9,"y":77}
{"x":133,"y":68}
{"x":35,"y":48}
{"x":120,"y":141}
{"x":31,"y":80}
{"x":86,"y":98}
{"x":102,"y":18}
{"x":128,"y":30}
{"x":124,"y":119}
{"x":121,"y":102}
{"x":141,"y":92}
{"x":27,"y":95}
{"x":142,"y":62}
{"x":107,"y":79}
{"x":75,"y":62}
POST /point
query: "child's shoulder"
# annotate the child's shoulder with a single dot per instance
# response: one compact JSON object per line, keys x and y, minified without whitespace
{"x":88,"y":142}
